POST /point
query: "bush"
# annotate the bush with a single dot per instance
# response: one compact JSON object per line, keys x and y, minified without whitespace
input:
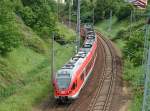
{"x":38,"y":15}
{"x":103,"y":8}
{"x":28,"y":16}
{"x":9,"y":39}
{"x":134,"y":48}
{"x":135,"y":77}
{"x":35,"y":44}
{"x":122,"y":33}
{"x":17,"y":5}
{"x":9,"y":35}
{"x":124,"y":12}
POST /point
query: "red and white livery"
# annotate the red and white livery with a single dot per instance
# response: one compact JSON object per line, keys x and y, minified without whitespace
{"x":71,"y":78}
{"x":140,"y":3}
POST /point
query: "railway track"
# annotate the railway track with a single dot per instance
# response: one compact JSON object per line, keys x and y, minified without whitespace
{"x":98,"y":92}
{"x":101,"y":101}
{"x":104,"y":93}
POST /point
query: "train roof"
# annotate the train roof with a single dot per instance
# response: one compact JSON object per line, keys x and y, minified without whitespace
{"x":69,"y":68}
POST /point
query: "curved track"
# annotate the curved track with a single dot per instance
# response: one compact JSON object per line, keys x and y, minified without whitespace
{"x":98,"y":92}
{"x":102,"y":100}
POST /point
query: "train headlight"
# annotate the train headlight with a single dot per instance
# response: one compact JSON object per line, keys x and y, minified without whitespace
{"x":63,"y":92}
{"x":69,"y":92}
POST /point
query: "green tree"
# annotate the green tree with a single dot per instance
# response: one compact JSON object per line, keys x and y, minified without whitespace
{"x":38,"y":14}
{"x":86,"y":11}
{"x":75,"y":4}
{"x":124,"y":11}
{"x":9,"y":35}
{"x":103,"y":8}
{"x":28,"y":16}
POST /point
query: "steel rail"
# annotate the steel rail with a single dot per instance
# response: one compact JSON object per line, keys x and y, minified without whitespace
{"x":106,"y":73}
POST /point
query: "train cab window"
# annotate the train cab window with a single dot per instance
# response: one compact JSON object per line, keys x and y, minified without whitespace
{"x":63,"y":83}
{"x":63,"y":79}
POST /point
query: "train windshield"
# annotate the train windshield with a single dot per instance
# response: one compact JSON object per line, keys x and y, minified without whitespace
{"x":63,"y":83}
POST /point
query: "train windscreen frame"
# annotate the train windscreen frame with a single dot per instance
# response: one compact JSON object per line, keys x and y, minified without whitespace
{"x":63,"y":83}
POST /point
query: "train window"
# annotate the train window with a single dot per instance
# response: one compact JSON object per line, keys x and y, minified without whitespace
{"x":84,"y":50}
{"x":73,"y":86}
{"x":82,"y":76}
{"x":82,"y":55}
{"x":75,"y":58}
{"x":87,"y":46}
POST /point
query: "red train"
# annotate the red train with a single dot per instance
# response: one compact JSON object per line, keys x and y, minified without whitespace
{"x":71,"y":78}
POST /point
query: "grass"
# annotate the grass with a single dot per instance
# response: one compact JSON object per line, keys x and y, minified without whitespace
{"x":136,"y":104}
{"x":63,"y":30}
{"x":135,"y":77}
{"x":103,"y":27}
{"x":36,"y":84}
{"x":25,"y":56}
{"x":25,"y":72}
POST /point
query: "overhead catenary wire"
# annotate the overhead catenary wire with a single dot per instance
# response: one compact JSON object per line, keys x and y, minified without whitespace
{"x":93,"y":11}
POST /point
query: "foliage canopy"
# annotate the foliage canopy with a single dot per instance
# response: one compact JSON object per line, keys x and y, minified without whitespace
{"x":9,"y":34}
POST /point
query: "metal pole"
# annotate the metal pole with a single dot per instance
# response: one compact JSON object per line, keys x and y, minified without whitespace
{"x":146,"y":98}
{"x":146,"y":46}
{"x":52,"y":59}
{"x":70,"y":3}
{"x":93,"y":15}
{"x":58,"y":1}
{"x":78,"y":25}
{"x":131,"y":22}
{"x":92,"y":1}
{"x":134,"y":17}
{"x":110,"y":21}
